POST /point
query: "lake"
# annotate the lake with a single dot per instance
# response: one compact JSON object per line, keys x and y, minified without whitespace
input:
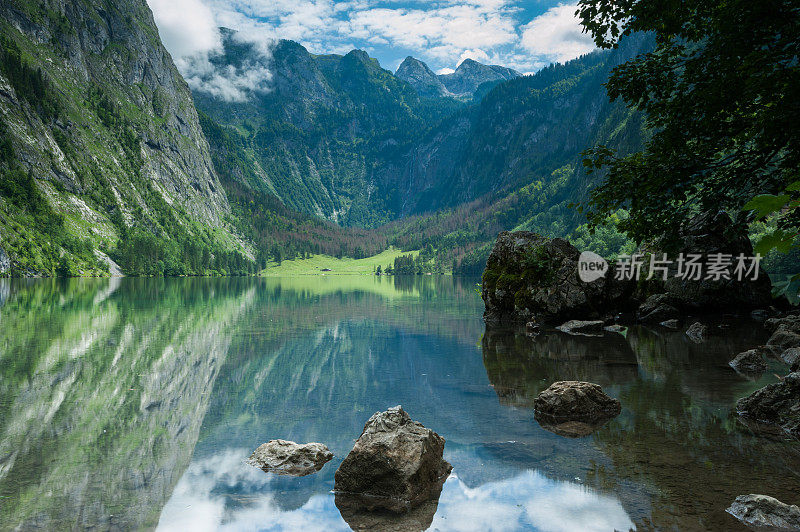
{"x":133,"y":403}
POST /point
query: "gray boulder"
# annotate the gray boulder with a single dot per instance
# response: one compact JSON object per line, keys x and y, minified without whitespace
{"x":574,"y":408}
{"x":791,"y":357}
{"x":532,"y":278}
{"x":657,"y":309}
{"x":708,"y":234}
{"x":289,"y":458}
{"x":749,"y":362}
{"x":785,"y":332}
{"x":581,"y":327}
{"x":396,"y":465}
{"x":775,"y":404}
{"x":697,"y":332}
{"x":761,"y":512}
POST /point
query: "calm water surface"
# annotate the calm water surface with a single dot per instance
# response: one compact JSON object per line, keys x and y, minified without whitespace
{"x":132,"y":404}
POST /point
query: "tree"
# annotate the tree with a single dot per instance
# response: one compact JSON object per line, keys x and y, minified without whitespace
{"x":721,"y":94}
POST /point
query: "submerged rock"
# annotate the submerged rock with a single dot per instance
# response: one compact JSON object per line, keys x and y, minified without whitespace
{"x":574,"y":407}
{"x":761,"y":512}
{"x":530,"y":277}
{"x":697,"y":332}
{"x":750,"y":362}
{"x":776,"y":404}
{"x":289,"y":458}
{"x":396,"y":464}
{"x":581,"y":327}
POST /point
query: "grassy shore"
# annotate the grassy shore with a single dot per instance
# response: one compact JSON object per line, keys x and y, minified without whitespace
{"x":344,"y":266}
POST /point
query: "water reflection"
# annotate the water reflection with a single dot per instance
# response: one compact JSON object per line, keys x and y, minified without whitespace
{"x":132,"y":403}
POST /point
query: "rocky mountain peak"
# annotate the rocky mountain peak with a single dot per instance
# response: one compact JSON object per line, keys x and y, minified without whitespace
{"x":421,"y":77}
{"x":471,"y":74}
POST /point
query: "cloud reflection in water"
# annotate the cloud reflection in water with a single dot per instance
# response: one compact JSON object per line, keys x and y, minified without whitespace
{"x":223,"y":493}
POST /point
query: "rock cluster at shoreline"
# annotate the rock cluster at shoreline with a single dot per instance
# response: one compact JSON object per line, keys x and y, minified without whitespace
{"x":530,"y":278}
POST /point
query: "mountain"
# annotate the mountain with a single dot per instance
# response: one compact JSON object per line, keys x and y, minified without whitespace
{"x":101,"y":147}
{"x":421,"y":77}
{"x":470,"y":75}
{"x":326,"y":121}
{"x":469,"y":80}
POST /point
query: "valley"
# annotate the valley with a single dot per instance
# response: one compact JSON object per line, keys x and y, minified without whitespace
{"x":334,"y":156}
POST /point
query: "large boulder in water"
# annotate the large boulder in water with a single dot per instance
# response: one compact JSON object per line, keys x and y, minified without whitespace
{"x":532,"y":278}
{"x":761,"y":512}
{"x":396,"y":464}
{"x":574,"y":408}
{"x":775,"y":404}
{"x":289,"y":458}
{"x":707,"y":235}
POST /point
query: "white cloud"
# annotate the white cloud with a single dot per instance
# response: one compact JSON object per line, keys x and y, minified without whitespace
{"x":445,"y":70}
{"x":476,"y":55}
{"x":208,"y":497}
{"x":443,"y":33}
{"x":556,"y":35}
{"x":187,"y":27}
{"x":190,"y":31}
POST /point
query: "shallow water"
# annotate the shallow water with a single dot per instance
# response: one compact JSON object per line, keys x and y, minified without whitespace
{"x":132,"y":403}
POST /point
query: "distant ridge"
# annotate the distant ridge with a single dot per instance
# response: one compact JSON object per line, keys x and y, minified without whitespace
{"x":462,"y":84}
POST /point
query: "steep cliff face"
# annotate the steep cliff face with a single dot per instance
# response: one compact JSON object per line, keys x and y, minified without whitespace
{"x":98,"y":118}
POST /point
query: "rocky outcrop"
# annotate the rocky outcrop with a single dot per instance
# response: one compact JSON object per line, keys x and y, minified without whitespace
{"x":574,"y":408}
{"x":707,"y":235}
{"x":531,"y":278}
{"x":289,"y":458}
{"x":396,"y":464}
{"x":470,"y":75}
{"x":749,"y":362}
{"x":775,"y":404}
{"x":421,"y":77}
{"x":697,"y":332}
{"x":764,"y":513}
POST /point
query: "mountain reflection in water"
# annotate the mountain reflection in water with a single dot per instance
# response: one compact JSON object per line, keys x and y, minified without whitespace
{"x":132,"y":403}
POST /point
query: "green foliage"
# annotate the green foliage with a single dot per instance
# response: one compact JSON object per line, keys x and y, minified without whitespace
{"x":28,"y":82}
{"x":719,"y":93}
{"x":606,"y":240}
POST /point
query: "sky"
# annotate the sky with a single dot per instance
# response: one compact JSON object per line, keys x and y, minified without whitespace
{"x":522,"y":34}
